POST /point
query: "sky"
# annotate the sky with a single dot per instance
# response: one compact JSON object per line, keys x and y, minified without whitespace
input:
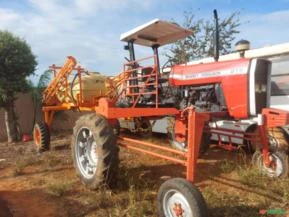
{"x":89,"y":30}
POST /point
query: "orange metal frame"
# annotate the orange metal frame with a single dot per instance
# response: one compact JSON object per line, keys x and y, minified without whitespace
{"x":106,"y":107}
{"x":188,"y":159}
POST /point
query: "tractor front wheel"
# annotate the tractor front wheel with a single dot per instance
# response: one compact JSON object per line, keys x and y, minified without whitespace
{"x":41,"y":136}
{"x":94,"y":151}
{"x":178,"y":197}
{"x":279,"y":164}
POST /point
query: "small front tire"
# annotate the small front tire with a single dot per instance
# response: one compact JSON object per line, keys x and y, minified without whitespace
{"x":178,"y":197}
{"x":279,"y":167}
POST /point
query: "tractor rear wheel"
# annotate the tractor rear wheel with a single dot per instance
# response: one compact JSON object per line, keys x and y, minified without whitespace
{"x":94,"y":151}
{"x":41,"y":136}
{"x":178,"y":197}
{"x":278,"y":168}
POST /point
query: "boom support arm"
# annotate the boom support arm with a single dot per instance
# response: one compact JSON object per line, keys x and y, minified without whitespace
{"x":59,"y":81}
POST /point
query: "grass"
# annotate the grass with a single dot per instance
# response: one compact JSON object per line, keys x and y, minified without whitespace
{"x":251,"y":176}
{"x":138,"y":185}
{"x":24,"y":161}
{"x":222,"y":203}
{"x":137,"y":191}
{"x":135,"y":197}
{"x":52,"y":160}
{"x":227,"y":166}
{"x":59,"y":188}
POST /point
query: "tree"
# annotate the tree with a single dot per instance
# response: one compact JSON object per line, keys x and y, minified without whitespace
{"x":16,"y":63}
{"x":201,"y":43}
{"x":37,"y":90}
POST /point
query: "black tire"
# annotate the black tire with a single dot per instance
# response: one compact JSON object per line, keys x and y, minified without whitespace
{"x":280,"y":168}
{"x":41,"y":137}
{"x":94,"y":151}
{"x":184,"y":195}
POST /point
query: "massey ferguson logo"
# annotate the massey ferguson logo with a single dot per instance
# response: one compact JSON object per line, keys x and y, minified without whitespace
{"x":199,"y":75}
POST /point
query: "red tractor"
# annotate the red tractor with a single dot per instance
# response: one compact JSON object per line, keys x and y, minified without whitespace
{"x":190,"y":95}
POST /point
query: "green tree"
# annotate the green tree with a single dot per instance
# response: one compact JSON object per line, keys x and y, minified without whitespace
{"x":201,"y":43}
{"x":16,"y":63}
{"x":36,"y":91}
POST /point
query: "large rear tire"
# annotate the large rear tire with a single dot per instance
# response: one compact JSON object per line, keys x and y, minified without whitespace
{"x":94,"y":151}
{"x":41,"y":137}
{"x":178,"y":197}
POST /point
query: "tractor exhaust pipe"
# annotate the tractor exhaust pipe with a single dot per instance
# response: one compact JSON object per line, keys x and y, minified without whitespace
{"x":216,"y":37}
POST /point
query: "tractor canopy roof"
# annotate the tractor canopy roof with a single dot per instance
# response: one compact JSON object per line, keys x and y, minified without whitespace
{"x":155,"y":32}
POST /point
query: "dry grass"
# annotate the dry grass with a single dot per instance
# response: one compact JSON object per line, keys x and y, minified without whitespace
{"x":227,"y":166}
{"x":24,"y":161}
{"x":59,"y":188}
{"x":243,"y":193}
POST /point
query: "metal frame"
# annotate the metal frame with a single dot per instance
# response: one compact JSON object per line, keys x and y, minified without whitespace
{"x":193,"y":122}
{"x":196,"y":123}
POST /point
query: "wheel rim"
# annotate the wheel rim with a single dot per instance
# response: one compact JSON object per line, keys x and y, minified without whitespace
{"x":176,"y":205}
{"x":276,"y":169}
{"x":86,"y":156}
{"x":37,"y":136}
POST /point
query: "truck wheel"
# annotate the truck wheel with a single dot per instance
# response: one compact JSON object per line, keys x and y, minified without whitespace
{"x":41,"y":137}
{"x":94,"y":151}
{"x":177,"y":197}
{"x":279,"y":167}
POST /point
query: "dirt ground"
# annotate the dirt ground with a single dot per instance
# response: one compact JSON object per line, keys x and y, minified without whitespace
{"x":44,"y":185}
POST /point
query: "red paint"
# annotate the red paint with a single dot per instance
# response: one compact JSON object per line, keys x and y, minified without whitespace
{"x":26,"y":138}
{"x":232,"y":75}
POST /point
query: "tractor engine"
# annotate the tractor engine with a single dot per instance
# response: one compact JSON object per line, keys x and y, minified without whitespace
{"x":240,"y":87}
{"x":204,"y":98}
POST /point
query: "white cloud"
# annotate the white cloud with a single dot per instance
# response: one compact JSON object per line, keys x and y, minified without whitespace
{"x":8,"y":16}
{"x":265,"y":29}
{"x":89,"y":29}
{"x":93,"y":6}
{"x":55,"y":31}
